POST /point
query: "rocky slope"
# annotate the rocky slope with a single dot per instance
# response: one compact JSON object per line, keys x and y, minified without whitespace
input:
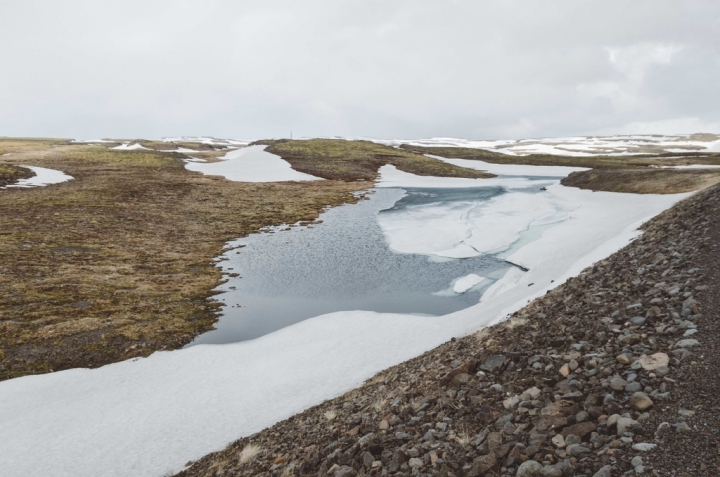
{"x":612,"y":373}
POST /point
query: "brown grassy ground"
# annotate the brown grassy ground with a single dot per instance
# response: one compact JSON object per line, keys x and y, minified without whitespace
{"x":11,"y":174}
{"x":117,"y":262}
{"x":643,"y":181}
{"x":359,"y":160}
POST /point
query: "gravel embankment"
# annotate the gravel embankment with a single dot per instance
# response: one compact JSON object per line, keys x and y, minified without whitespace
{"x":612,"y":373}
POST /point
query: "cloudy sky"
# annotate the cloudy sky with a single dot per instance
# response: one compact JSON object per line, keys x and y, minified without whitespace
{"x":370,"y":68}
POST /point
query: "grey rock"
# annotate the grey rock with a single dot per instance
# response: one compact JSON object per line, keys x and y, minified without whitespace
{"x":687,"y":343}
{"x":644,"y":446}
{"x":529,"y":468}
{"x":551,"y":471}
{"x":604,"y":472}
{"x":617,"y":383}
{"x":640,"y":401}
{"x":636,"y":461}
{"x":637,"y":320}
{"x":682,"y":427}
{"x":415,"y":463}
{"x":576,"y":450}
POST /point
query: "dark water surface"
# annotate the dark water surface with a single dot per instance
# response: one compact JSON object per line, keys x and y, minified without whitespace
{"x":342,"y":264}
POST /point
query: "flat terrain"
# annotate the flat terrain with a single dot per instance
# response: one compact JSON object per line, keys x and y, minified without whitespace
{"x":117,"y":263}
{"x":360,"y":160}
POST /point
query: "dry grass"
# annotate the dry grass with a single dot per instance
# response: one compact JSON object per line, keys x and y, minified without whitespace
{"x":117,"y":263}
{"x":248,"y":453}
{"x":338,"y":159}
{"x":643,"y":181}
{"x":11,"y":174}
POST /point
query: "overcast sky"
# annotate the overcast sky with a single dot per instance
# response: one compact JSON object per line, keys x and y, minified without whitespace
{"x":386,"y":69}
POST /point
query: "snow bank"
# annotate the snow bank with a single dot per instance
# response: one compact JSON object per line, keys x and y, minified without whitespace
{"x":43,"y":177}
{"x":252,"y":164}
{"x":148,"y":417}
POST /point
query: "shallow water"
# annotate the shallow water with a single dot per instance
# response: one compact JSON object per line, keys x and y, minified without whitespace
{"x":342,"y":264}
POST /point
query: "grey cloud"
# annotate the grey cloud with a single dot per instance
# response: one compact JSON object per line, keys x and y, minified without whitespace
{"x":248,"y":69}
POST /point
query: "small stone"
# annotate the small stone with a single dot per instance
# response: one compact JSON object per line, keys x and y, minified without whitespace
{"x":687,"y":343}
{"x":663,"y":426}
{"x":415,"y":463}
{"x":623,"y":359}
{"x":617,"y":383}
{"x":637,"y":320}
{"x":368,"y":459}
{"x":576,"y":450}
{"x":511,"y":402}
{"x":686,"y":413}
{"x":633,"y":387}
{"x":572,"y":439}
{"x":636,"y":461}
{"x":551,"y":471}
{"x":345,"y":471}
{"x":529,"y":468}
{"x":558,"y":441}
{"x":690,"y":332}
{"x":654,"y":361}
{"x":573,"y":365}
{"x":682,"y":427}
{"x":640,"y":401}
{"x":662,"y":371}
{"x":644,"y":446}
{"x":604,"y":472}
{"x":565,"y":370}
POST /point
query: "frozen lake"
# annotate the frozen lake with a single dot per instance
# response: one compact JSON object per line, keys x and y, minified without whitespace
{"x":345,"y":263}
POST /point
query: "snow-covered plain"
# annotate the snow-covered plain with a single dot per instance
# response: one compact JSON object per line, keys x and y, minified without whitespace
{"x":148,"y":417}
{"x":251,"y":164}
{"x":580,"y":146}
{"x":43,"y":176}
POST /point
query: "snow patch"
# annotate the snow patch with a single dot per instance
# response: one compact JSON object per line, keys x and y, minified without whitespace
{"x":43,"y":177}
{"x":129,"y":147}
{"x":251,"y":164}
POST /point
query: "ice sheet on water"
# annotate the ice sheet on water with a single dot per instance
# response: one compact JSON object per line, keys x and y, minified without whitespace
{"x":463,"y":284}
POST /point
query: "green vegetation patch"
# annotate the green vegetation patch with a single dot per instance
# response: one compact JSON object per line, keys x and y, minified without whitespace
{"x":338,"y":159}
